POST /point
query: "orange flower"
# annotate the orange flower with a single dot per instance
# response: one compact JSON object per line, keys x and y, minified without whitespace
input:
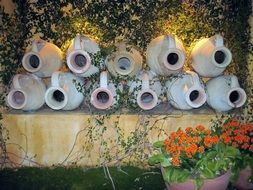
{"x":251,"y":148}
{"x":201,"y":149}
{"x":175,"y":161}
{"x":200,"y":128}
{"x":245,"y":146}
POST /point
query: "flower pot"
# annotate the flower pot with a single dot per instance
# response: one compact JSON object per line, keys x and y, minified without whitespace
{"x":224,"y":93}
{"x":210,"y":57}
{"x":146,"y":89}
{"x":165,"y":55}
{"x":27,"y":92}
{"x":186,"y":91}
{"x":63,"y":93}
{"x":43,"y":59}
{"x":104,"y":97}
{"x":242,"y":181}
{"x":78,"y":56}
{"x":218,"y":183}
{"x":124,"y":62}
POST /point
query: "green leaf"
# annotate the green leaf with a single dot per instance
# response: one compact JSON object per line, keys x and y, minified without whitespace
{"x":158,"y":158}
{"x":207,"y":173}
{"x":198,"y":183}
{"x":158,"y":144}
{"x":166,"y":162}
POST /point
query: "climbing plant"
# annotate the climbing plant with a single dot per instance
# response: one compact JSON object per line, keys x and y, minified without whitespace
{"x":135,"y":22}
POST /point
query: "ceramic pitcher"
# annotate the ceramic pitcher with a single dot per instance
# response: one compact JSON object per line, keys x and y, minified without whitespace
{"x":42,"y":59}
{"x":165,"y":55}
{"x":210,"y":57}
{"x":224,"y":93}
{"x":124,"y":62}
{"x":27,"y":92}
{"x":146,"y":89}
{"x":63,"y":93}
{"x":78,"y":56}
{"x":104,"y":96}
{"x":185,"y":91}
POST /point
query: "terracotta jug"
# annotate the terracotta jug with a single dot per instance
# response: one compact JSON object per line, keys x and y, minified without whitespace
{"x":104,"y":97}
{"x":165,"y":55}
{"x":210,"y":57}
{"x":63,"y":93}
{"x":185,"y":91}
{"x":224,"y":93}
{"x":146,"y":89}
{"x":42,"y":59}
{"x":124,"y":62}
{"x":78,"y":56}
{"x":27,"y":92}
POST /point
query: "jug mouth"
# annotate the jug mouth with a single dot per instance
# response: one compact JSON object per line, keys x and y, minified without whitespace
{"x":196,"y":97}
{"x":236,"y":97}
{"x":32,"y":62}
{"x":78,"y":61}
{"x":221,"y":57}
{"x":17,"y":99}
{"x":102,"y":98}
{"x":173,"y":59}
{"x":147,"y":99}
{"x":124,"y":64}
{"x":56,"y":98}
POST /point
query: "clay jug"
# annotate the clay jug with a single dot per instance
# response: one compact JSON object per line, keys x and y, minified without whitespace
{"x":185,"y":91}
{"x":27,"y":92}
{"x":63,"y":93}
{"x":224,"y":93}
{"x":124,"y":62}
{"x":43,"y":59}
{"x":146,"y":89}
{"x":210,"y":57}
{"x":165,"y":55}
{"x":78,"y":56}
{"x":104,"y":97}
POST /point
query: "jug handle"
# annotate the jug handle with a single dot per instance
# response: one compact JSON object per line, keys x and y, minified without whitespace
{"x":35,"y":46}
{"x":16,"y":83}
{"x":172,"y":41}
{"x":103,"y":79}
{"x":77,"y":42}
{"x":218,"y":39}
{"x":145,"y":81}
{"x":55,"y":79}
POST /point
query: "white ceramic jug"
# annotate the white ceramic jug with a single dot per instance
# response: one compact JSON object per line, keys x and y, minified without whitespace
{"x":104,"y":96}
{"x":146,"y":89}
{"x":63,"y":93}
{"x":27,"y":92}
{"x":224,"y":93}
{"x":165,"y":55}
{"x":43,"y":59}
{"x":210,"y":57}
{"x":124,"y":62}
{"x":78,"y":56}
{"x":185,"y":91}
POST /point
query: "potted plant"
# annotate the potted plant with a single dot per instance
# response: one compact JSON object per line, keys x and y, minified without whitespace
{"x":195,"y":159}
{"x":240,"y":136}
